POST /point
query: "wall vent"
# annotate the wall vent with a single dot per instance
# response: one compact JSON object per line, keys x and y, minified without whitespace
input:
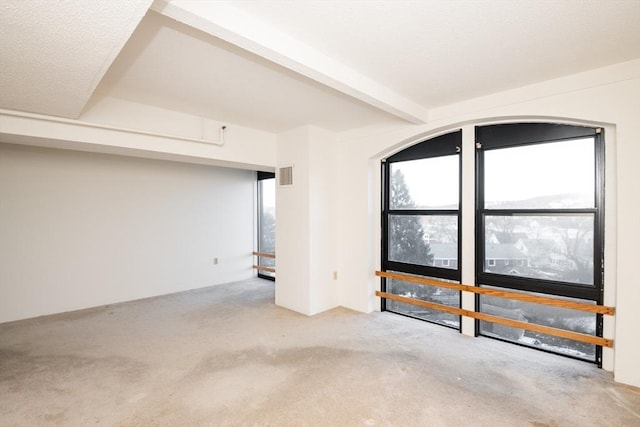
{"x":285,"y":176}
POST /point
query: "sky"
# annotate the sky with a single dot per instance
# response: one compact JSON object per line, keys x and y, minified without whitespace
{"x":511,"y":174}
{"x":432,"y":182}
{"x":269,"y":193}
{"x":530,"y":171}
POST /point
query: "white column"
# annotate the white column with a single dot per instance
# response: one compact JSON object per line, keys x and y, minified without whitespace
{"x":305,"y":222}
{"x":468,"y":224}
{"x":292,"y":223}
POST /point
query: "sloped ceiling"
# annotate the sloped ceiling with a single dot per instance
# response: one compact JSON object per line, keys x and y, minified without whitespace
{"x":276,"y":65}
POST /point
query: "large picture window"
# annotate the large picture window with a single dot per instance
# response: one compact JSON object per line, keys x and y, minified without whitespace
{"x":539,"y":228}
{"x":421,"y":216}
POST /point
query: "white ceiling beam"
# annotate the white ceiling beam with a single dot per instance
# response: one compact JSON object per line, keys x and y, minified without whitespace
{"x":223,"y":21}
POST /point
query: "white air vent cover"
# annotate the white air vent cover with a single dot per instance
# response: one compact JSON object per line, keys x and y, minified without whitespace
{"x":285,"y":176}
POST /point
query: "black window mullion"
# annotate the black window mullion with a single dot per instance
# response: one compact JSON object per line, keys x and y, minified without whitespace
{"x":421,"y":212}
{"x":427,"y":271}
{"x":517,"y":134}
{"x":534,"y":285}
{"x":599,"y":225}
{"x":538,"y":212}
{"x":384,"y":249}
{"x":599,"y":233}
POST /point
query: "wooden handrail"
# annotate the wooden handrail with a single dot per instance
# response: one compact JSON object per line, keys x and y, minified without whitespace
{"x":263,"y":268}
{"x":576,"y":336}
{"x":264,"y":255}
{"x":554,"y":302}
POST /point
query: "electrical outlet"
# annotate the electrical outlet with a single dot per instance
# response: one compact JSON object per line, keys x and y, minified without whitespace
{"x":335,"y":275}
{"x":215,"y":260}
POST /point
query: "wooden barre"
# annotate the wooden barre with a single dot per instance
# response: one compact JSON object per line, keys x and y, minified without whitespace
{"x":573,"y":305}
{"x":264,"y":255}
{"x":262,"y":268}
{"x":576,"y":336}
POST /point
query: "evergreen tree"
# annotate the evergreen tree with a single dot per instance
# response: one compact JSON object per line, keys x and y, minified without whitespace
{"x":406,"y":236}
{"x":268,"y":233}
{"x":267,"y":241}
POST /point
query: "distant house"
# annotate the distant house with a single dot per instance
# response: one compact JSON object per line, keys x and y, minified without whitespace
{"x":504,"y":258}
{"x":445,"y":255}
{"x":546,"y":254}
{"x":499,"y":257}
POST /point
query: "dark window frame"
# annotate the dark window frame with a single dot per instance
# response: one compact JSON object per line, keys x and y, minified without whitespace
{"x":443,"y":145}
{"x":260,"y":177}
{"x":521,"y":134}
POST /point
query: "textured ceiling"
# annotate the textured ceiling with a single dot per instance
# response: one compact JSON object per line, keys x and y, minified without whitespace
{"x":53,"y":53}
{"x":438,"y":52}
{"x":275,"y":65}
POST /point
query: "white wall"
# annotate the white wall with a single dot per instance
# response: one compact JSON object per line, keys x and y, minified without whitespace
{"x":608,"y":97}
{"x":292,"y":224}
{"x":306,"y":218}
{"x":81,"y":229}
{"x":322,"y":194}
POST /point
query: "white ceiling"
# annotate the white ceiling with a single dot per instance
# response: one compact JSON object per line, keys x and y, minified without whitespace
{"x":275,"y":65}
{"x":54,"y":54}
{"x":437,"y":52}
{"x":171,"y":65}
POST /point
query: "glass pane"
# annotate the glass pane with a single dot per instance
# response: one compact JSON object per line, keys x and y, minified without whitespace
{"x":426,"y":293}
{"x":551,"y":247}
{"x":424,"y":240}
{"x":562,"y":318}
{"x":543,"y":176}
{"x":267,"y":222}
{"x":425,"y":183}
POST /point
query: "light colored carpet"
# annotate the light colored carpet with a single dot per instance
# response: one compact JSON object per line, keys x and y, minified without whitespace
{"x":226,"y":355}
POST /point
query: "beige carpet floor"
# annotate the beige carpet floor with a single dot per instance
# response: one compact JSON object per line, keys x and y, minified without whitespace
{"x":227,"y":356}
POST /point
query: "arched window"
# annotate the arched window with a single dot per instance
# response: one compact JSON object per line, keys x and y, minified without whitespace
{"x":539,"y":230}
{"x":420,"y":220}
